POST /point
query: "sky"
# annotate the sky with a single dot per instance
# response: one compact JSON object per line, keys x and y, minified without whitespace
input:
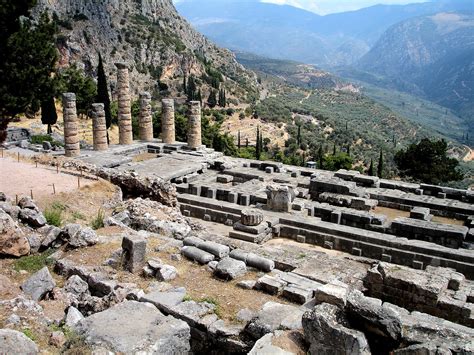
{"x":324,"y":7}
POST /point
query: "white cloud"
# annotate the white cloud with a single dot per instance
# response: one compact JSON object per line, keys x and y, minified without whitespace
{"x":323,"y":7}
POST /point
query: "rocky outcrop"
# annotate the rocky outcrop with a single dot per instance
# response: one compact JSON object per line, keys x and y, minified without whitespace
{"x":39,"y":284}
{"x":132,"y":327}
{"x":12,"y":240}
{"x":157,"y":43}
{"x":14,"y":342}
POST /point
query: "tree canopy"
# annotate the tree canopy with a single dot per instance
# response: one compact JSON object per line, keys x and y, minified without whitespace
{"x":428,"y":162}
{"x":28,"y":56}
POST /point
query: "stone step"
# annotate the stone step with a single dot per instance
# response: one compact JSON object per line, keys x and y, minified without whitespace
{"x":252,"y":238}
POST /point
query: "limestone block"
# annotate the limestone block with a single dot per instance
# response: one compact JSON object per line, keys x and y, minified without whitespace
{"x":134,"y":250}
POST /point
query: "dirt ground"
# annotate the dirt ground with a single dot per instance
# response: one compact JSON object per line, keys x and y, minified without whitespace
{"x":19,"y":178}
{"x":392,"y":214}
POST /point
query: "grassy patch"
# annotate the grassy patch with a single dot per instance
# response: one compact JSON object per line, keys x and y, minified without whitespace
{"x":98,"y":221}
{"x":78,"y":215}
{"x":53,"y":217}
{"x":33,"y":263}
{"x":29,"y":333}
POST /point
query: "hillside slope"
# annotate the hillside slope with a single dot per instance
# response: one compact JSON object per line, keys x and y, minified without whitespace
{"x":150,"y":35}
{"x":431,"y":56}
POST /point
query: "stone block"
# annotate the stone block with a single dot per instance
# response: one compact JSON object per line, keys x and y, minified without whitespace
{"x":211,"y":193}
{"x":297,"y":294}
{"x":386,"y":258}
{"x":207,"y":217}
{"x":421,"y":213}
{"x":133,"y":256}
{"x":224,"y":179}
{"x":258,"y":229}
{"x":233,"y":197}
{"x":270,"y":284}
{"x":269,"y":170}
{"x":328,"y":245}
{"x":357,"y":251}
{"x":251,"y":217}
{"x":335,"y":294}
{"x":244,"y":200}
{"x":301,"y":239}
{"x":336,"y":217}
{"x":229,"y":268}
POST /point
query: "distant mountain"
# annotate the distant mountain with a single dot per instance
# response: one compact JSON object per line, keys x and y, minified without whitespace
{"x":431,"y":56}
{"x":305,"y":76}
{"x":285,"y":32}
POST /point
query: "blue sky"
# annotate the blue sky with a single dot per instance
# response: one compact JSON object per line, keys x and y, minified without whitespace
{"x":323,"y":7}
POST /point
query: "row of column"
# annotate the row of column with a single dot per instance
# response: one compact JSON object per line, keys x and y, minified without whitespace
{"x":71,"y":124}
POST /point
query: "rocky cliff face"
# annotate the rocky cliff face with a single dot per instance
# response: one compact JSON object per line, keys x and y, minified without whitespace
{"x":159,"y":45}
{"x":432,"y":54}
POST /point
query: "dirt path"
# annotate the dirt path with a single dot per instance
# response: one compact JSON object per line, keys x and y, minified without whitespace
{"x":19,"y":178}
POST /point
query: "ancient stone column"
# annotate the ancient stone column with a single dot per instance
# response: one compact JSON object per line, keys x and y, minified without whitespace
{"x":145,"y":121}
{"x":71,"y":126}
{"x":124,"y":104}
{"x":194,"y":125}
{"x":99,"y":127}
{"x":168,"y":134}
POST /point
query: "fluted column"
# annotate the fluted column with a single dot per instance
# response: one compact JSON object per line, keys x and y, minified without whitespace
{"x":194,"y":125}
{"x":145,"y":121}
{"x":168,"y":133}
{"x":99,"y":127}
{"x":124,"y":104}
{"x":71,"y":125}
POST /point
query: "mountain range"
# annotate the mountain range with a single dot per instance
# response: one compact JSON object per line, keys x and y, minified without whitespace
{"x":285,"y":32}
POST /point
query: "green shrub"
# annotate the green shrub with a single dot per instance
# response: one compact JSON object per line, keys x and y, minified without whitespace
{"x":40,"y":138}
{"x":98,"y":221}
{"x":53,"y":216}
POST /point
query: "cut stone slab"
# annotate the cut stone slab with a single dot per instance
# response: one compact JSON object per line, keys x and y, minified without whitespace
{"x":275,"y":316}
{"x":328,"y":332}
{"x":14,"y":342}
{"x":264,"y":346}
{"x":164,"y":300}
{"x":335,"y":294}
{"x":230,"y":269}
{"x":85,"y":237}
{"x":297,"y":294}
{"x":270,"y":284}
{"x":135,"y":327}
{"x":76,"y":285}
{"x":39,"y":284}
{"x":195,"y":254}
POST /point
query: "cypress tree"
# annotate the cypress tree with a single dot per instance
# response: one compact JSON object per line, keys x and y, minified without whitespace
{"x":257,"y":144}
{"x":334,"y":149}
{"x":298,"y":137}
{"x":185,"y":86}
{"x":48,"y":113}
{"x":261,"y":142}
{"x":380,"y":166}
{"x":212,"y":100}
{"x":320,"y":157}
{"x":225,"y":99}
{"x":103,"y":94}
{"x":199,"y":96}
{"x":246,"y":143}
{"x":371,"y":168}
{"x":348,"y":149}
{"x":238,"y":140}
